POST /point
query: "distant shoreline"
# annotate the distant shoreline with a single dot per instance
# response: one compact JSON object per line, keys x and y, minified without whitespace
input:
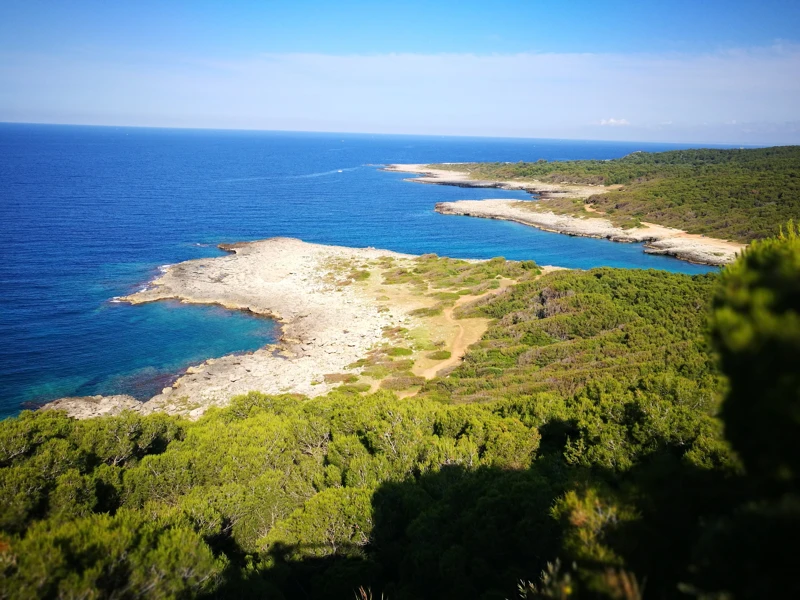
{"x":657,"y":238}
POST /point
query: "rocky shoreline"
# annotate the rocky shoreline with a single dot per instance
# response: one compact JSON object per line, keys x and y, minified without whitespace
{"x":657,"y":238}
{"x":324,"y":326}
{"x":331,"y":304}
{"x":462,"y":179}
{"x":328,"y":321}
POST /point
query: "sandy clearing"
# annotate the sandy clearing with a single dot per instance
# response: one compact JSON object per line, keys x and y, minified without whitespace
{"x":467,"y":332}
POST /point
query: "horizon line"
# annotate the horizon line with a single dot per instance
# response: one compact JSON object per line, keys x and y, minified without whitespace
{"x":332,"y":132}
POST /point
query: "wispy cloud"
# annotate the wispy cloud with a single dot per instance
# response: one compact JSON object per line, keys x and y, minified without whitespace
{"x":529,"y":94}
{"x":612,"y":122}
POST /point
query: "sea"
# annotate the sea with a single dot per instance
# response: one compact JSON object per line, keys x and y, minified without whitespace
{"x":88,"y":214}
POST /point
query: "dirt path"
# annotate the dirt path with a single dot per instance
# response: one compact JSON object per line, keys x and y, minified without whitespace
{"x":469,"y":331}
{"x":458,"y":347}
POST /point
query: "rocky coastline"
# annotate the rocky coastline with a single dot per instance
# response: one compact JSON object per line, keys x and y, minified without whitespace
{"x":333,"y":310}
{"x":541,"y":189}
{"x":328,"y":320}
{"x":657,"y":239}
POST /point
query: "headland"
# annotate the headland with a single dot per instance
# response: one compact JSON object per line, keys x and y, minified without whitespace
{"x":361,"y":317}
{"x":658,"y":239}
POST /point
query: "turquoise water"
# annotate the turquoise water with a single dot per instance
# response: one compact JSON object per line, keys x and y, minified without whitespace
{"x":90,"y":213}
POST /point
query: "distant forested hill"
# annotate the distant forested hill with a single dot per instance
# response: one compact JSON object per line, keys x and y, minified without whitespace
{"x":734,"y":194}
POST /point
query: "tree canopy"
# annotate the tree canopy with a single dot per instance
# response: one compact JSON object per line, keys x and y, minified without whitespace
{"x":616,"y":434}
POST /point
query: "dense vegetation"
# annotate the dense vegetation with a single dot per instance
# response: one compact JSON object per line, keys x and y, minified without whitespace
{"x":582,"y":440}
{"x":606,"y":327}
{"x":733,"y":194}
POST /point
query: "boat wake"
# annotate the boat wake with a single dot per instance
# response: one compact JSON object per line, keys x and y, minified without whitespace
{"x":324,"y":173}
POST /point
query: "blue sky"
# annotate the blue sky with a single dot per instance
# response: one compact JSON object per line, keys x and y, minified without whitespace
{"x":699,"y":71}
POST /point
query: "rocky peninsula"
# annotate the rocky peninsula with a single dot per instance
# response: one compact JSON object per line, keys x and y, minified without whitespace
{"x":339,"y":319}
{"x":657,"y":238}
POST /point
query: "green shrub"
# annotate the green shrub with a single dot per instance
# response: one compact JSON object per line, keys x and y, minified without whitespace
{"x":402,"y":382}
{"x":399,"y":352}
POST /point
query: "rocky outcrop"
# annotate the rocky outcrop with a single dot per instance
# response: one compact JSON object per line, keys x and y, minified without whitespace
{"x":462,"y":179}
{"x":325,"y":325}
{"x":87,"y":407}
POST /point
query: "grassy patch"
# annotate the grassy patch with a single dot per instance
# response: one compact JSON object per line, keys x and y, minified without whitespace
{"x":359,"y":275}
{"x":376,"y":372}
{"x":445,"y":296}
{"x":402,"y":382}
{"x":395,"y":333}
{"x":421,"y":340}
{"x":357,"y":388}
{"x":340,"y":378}
{"x":452,"y":277}
{"x":431,"y":311}
{"x":399,"y":351}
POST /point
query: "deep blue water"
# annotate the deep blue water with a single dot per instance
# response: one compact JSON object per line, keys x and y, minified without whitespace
{"x":90,"y":213}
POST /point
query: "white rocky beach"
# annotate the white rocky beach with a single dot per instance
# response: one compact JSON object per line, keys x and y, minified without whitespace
{"x":657,"y":238}
{"x":330,"y":311}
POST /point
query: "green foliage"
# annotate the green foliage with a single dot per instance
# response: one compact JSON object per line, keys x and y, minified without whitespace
{"x":756,"y":329}
{"x":280,"y":479}
{"x":357,"y":275}
{"x":402,"y":382}
{"x":399,"y":352}
{"x":756,"y":321}
{"x":335,"y":521}
{"x":584,"y":425}
{"x":590,"y":523}
{"x":635,"y":331}
{"x":461,"y":276}
{"x":733,"y":194}
{"x":128,"y":555}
